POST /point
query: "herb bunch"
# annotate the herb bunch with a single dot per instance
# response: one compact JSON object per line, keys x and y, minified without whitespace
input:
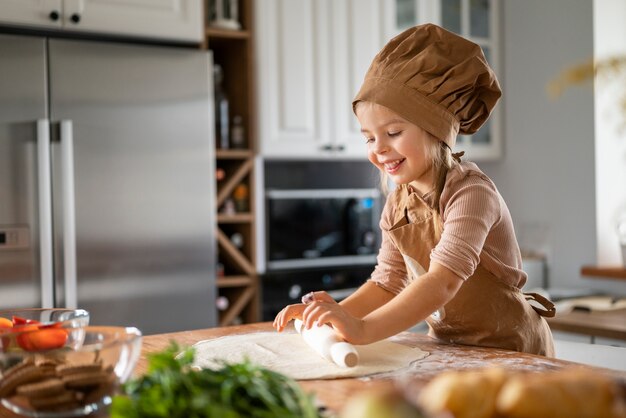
{"x":171,"y":388}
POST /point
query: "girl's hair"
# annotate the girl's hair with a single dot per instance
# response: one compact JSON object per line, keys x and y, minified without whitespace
{"x":442,"y":160}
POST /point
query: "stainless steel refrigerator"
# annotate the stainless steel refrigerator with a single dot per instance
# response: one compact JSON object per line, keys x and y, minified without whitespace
{"x":106,"y":181}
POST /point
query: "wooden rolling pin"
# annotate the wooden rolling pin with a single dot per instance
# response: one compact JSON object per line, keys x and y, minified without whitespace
{"x":326,"y":343}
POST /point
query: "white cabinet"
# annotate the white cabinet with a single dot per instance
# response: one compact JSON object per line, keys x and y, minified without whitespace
{"x":312,"y":57}
{"x":476,"y":20}
{"x":179,"y":20}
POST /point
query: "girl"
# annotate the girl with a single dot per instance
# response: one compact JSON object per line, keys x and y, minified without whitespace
{"x":449,"y":253}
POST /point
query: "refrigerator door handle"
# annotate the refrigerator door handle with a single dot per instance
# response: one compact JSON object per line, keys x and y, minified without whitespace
{"x":69,"y":218}
{"x":45,"y":212}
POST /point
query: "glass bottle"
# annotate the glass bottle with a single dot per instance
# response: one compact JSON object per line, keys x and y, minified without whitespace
{"x":237,"y":133}
{"x":221,"y":109}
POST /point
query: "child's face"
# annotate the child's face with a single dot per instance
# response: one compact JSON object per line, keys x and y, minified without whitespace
{"x":396,"y":146}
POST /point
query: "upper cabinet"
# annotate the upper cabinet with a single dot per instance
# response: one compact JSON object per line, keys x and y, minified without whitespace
{"x":312,"y":57}
{"x":476,"y":20}
{"x":176,"y":20}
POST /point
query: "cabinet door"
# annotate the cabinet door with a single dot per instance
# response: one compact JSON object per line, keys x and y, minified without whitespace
{"x":294,"y":76}
{"x":476,"y":20}
{"x":168,"y":19}
{"x":46,"y":13}
{"x":313,"y":55}
{"x":359,"y":35}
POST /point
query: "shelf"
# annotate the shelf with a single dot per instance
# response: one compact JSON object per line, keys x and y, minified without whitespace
{"x":227,"y":33}
{"x":234,"y":281}
{"x":233,"y":180}
{"x":593,"y":272}
{"x":235,"y":219}
{"x":244,"y":296}
{"x":233,"y":51}
{"x":233,"y":154}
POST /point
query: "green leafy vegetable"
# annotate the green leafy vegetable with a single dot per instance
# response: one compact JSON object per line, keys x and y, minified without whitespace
{"x":171,"y":388}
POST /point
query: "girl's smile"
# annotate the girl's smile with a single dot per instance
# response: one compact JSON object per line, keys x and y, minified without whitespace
{"x":396,"y":146}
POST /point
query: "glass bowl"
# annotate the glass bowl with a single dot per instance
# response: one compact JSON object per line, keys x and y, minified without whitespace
{"x":74,"y":380}
{"x":47,"y":321}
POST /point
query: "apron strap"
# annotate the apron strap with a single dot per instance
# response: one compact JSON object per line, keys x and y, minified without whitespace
{"x":549,"y":307}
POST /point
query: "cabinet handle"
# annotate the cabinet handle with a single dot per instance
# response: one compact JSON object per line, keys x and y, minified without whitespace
{"x":75,"y":18}
{"x":340,"y":147}
{"x":54,"y":15}
{"x":327,"y":147}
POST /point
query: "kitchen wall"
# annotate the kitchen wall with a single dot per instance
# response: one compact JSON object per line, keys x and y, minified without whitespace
{"x":547,"y":172}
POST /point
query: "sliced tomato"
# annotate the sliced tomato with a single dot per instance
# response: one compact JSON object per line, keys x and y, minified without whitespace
{"x":18,"y":320}
{"x":46,"y":338}
{"x":5,"y":323}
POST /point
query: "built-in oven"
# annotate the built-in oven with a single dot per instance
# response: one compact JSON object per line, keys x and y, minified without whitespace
{"x":318,"y":239}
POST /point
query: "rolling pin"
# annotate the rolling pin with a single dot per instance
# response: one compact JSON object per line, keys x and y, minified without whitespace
{"x":326,"y":343}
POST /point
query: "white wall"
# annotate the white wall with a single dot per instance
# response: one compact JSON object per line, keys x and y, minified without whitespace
{"x":609,"y":40}
{"x":547,"y":174}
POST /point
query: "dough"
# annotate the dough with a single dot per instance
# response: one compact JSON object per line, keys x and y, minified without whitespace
{"x":287,"y":353}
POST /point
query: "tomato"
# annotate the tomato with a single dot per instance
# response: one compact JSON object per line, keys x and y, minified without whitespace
{"x":5,"y":326}
{"x":18,"y":320}
{"x":45,"y":338}
{"x":5,"y":323}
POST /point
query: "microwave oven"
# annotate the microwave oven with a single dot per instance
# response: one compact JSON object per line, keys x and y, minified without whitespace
{"x":322,"y":227}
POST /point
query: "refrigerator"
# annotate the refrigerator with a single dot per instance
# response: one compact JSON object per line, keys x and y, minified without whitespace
{"x":107,"y":181}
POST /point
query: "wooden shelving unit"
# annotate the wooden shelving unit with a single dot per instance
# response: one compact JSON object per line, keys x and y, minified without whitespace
{"x":617,"y":273}
{"x":238,"y":281}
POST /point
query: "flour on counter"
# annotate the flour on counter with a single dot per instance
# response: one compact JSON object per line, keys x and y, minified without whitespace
{"x":287,"y":353}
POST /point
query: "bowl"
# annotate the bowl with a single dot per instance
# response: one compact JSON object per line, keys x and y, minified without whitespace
{"x":49,"y":323}
{"x":76,"y":379}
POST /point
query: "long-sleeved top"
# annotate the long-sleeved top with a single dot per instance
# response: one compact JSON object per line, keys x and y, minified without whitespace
{"x":477,"y":228}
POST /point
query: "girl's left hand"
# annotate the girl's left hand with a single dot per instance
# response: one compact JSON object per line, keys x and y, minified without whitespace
{"x":325,"y":310}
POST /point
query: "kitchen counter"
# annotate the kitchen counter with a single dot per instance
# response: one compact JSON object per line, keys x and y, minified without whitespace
{"x":608,"y":324}
{"x":333,"y":393}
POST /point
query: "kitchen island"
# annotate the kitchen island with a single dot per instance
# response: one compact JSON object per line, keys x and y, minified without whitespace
{"x":333,"y":393}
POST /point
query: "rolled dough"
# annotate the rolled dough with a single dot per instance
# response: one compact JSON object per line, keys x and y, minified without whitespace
{"x":287,"y":353}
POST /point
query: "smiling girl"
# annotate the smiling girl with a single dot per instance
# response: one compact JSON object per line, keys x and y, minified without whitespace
{"x":449,"y":253}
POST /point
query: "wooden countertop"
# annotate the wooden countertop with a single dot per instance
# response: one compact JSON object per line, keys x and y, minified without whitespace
{"x":607,"y":324}
{"x":333,"y":393}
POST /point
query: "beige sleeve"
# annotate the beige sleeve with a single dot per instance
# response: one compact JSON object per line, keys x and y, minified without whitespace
{"x":471,"y":207}
{"x":390,"y":271}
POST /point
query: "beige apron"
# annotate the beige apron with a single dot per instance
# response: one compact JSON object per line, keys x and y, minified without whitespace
{"x":485,"y":311}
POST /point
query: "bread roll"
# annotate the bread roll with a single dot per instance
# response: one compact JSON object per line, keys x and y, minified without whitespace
{"x":465,"y":394}
{"x":569,"y":393}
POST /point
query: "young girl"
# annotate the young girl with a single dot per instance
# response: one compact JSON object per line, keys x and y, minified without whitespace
{"x":449,"y":253}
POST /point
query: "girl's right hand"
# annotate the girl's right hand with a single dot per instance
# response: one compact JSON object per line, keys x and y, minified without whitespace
{"x":288,"y":313}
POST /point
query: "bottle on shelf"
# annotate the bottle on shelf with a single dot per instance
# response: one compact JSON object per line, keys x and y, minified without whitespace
{"x":222,"y":303}
{"x":219,"y":269}
{"x":229,"y":208}
{"x":240,"y":196}
{"x":237,"y":240}
{"x":237,"y":133}
{"x":222,"y":121}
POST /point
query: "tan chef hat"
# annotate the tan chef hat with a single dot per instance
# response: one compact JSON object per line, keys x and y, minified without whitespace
{"x":434,"y":79}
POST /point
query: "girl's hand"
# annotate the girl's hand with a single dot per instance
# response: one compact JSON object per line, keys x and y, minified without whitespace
{"x":325,"y":310}
{"x":288,"y":313}
{"x":295,"y":311}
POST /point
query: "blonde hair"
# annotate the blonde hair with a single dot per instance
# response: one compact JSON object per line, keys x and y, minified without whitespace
{"x":442,"y":160}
